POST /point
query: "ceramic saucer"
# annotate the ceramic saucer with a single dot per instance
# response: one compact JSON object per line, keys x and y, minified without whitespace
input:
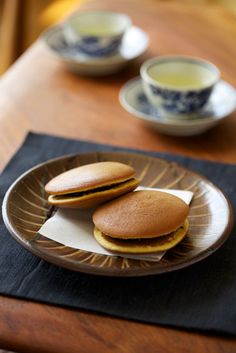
{"x":222,"y":102}
{"x":134,"y":43}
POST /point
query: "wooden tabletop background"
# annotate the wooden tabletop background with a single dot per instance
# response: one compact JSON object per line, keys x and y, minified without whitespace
{"x":38,"y":94}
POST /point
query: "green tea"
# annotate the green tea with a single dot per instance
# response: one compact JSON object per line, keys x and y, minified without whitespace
{"x":178,"y":80}
{"x":181,"y":75}
{"x":98,"y":30}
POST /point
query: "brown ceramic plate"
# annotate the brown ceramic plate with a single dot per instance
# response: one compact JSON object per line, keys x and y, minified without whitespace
{"x":25,"y":209}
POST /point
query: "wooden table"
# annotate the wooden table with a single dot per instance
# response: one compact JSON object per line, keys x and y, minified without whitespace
{"x":38,"y":94}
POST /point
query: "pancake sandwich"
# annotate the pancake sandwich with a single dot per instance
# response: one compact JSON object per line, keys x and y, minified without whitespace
{"x":141,"y":222}
{"x":91,"y":184}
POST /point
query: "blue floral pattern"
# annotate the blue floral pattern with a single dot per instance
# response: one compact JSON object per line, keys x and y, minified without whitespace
{"x":93,"y":49}
{"x":95,"y":46}
{"x":143,"y":105}
{"x":90,"y":45}
{"x":181,"y":102}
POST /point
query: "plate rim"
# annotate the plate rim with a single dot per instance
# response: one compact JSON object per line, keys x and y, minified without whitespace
{"x":86,"y":267}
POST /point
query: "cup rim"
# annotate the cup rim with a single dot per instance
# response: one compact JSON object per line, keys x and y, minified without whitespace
{"x":101,"y":12}
{"x":167,"y":58}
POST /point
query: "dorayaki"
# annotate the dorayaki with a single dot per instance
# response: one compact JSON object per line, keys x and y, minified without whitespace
{"x":90,"y":185}
{"x":144,"y":221}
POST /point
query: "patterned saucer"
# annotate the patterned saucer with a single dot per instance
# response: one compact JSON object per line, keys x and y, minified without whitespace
{"x":222,"y":103}
{"x":134,"y":43}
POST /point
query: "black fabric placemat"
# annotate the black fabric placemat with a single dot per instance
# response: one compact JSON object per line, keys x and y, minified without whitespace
{"x":201,"y":296}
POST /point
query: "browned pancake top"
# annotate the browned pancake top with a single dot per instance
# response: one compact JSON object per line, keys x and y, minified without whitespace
{"x":89,"y":176}
{"x":141,"y":214}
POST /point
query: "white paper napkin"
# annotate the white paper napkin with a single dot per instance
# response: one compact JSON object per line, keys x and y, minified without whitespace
{"x":74,"y":228}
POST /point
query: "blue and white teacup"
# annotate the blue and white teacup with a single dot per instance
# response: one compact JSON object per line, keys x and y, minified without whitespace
{"x":96,"y":33}
{"x":179,"y":86}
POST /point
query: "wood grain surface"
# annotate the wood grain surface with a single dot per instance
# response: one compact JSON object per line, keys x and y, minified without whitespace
{"x":38,"y":94}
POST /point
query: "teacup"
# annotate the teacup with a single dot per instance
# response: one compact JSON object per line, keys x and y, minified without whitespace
{"x":96,"y":33}
{"x":179,"y":86}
